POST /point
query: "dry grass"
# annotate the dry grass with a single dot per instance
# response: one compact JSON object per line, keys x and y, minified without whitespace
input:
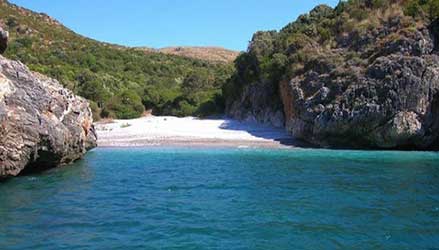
{"x":211,"y":54}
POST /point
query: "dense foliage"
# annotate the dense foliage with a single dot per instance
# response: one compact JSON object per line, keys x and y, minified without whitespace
{"x":117,"y":79}
{"x":309,"y":42}
{"x":423,"y":9}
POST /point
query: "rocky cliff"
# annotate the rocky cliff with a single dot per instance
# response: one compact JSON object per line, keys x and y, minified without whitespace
{"x":359,"y":75}
{"x":260,"y":103}
{"x":390,"y":103}
{"x":42,"y":124}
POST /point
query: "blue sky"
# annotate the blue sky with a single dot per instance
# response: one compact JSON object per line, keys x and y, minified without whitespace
{"x":161,"y":23}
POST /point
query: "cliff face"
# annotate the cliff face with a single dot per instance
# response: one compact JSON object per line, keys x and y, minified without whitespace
{"x":390,"y":103}
{"x":42,"y":124}
{"x":374,"y":87}
{"x":260,"y":103}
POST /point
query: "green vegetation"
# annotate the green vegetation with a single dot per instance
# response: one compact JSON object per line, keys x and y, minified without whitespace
{"x":309,"y":42}
{"x":124,"y":82}
{"x":125,"y":105}
{"x":121,"y":82}
{"x":422,"y":9}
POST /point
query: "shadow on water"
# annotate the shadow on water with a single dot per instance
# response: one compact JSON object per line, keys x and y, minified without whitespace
{"x":78,"y":168}
{"x":265,"y":132}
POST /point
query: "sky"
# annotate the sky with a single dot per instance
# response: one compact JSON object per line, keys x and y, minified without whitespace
{"x":162,"y":23}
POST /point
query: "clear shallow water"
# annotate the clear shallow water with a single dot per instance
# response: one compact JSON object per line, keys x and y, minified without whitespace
{"x":227,"y":199}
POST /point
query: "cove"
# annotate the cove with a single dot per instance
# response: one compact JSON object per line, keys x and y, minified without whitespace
{"x":224,"y":198}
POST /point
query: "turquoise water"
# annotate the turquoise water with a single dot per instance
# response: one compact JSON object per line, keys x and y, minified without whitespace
{"x":227,"y":199}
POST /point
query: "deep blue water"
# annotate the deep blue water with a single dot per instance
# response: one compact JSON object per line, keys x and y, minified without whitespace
{"x":227,"y":199}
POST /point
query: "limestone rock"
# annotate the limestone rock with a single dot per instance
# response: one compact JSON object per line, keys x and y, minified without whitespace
{"x":258,"y":103}
{"x":42,"y":124}
{"x":392,"y":103}
{"x":374,"y":86}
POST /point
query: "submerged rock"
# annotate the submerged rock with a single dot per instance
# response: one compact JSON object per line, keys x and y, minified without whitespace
{"x":42,"y":124}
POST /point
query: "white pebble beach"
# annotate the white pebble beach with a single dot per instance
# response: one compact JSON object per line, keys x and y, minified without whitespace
{"x":189,"y":131}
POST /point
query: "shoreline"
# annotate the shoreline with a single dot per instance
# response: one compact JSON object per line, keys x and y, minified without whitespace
{"x":162,"y":131}
{"x":195,"y":143}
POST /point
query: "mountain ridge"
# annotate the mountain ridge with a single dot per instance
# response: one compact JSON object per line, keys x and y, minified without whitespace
{"x":218,"y":53}
{"x":207,"y":53}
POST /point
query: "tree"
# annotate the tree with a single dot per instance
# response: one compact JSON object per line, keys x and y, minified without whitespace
{"x":427,"y":8}
{"x":125,"y":105}
{"x":90,"y":87}
{"x":194,"y":83}
{"x":433,"y":8}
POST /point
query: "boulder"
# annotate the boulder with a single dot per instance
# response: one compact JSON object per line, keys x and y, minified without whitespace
{"x":42,"y":124}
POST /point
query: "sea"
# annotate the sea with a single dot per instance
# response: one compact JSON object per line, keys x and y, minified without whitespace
{"x":226,"y":198}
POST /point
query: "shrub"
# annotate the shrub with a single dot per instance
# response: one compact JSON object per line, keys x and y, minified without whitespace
{"x":194,"y":83}
{"x":262,"y":43}
{"x":96,"y":111}
{"x":12,"y":22}
{"x":212,"y":107}
{"x":434,"y":9}
{"x":126,"y":105}
{"x":156,"y":98}
{"x":376,"y":4}
{"x":420,"y":8}
{"x":90,"y":87}
{"x":359,"y":14}
{"x":25,"y":42}
{"x":413,"y":9}
{"x":324,"y":33}
{"x":185,"y":108}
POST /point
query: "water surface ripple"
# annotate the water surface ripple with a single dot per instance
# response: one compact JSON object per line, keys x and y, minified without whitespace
{"x":170,"y":198}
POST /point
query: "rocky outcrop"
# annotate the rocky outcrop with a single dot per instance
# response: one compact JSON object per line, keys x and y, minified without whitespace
{"x":391,"y":103}
{"x":42,"y":124}
{"x":363,"y":75}
{"x":258,"y":103}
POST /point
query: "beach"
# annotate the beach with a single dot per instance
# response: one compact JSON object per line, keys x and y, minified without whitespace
{"x":189,"y":131}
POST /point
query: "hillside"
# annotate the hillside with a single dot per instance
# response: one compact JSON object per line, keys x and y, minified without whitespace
{"x":212,"y":54}
{"x":122,"y":82}
{"x":364,"y":74}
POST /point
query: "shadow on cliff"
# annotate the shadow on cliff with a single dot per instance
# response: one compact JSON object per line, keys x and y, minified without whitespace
{"x":264,"y":132}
